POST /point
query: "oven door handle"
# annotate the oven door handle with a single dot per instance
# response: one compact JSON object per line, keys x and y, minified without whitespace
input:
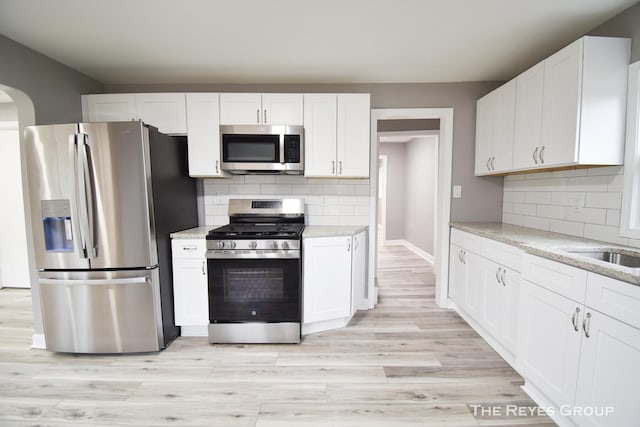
{"x":292,"y":254}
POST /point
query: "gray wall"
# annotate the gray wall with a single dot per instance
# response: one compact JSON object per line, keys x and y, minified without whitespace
{"x":54,"y":88}
{"x":421,"y":175}
{"x":626,"y":24}
{"x":395,"y":220}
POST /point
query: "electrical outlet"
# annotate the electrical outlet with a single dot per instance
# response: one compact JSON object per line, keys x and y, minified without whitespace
{"x":457,"y":191}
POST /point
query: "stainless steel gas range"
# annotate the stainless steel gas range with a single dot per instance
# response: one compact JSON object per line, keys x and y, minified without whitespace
{"x":254,"y":268}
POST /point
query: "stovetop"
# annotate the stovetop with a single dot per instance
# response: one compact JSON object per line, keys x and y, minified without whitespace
{"x":257,"y":231}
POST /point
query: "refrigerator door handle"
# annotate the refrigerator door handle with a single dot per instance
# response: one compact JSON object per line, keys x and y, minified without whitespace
{"x":129,"y":280}
{"x":80,"y":246}
{"x":87,"y":196}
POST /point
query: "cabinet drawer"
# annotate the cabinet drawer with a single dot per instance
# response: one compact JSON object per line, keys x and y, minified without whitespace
{"x":615,"y":298}
{"x":188,"y":248}
{"x":501,"y":253}
{"x":560,"y":278}
{"x":465,"y":240}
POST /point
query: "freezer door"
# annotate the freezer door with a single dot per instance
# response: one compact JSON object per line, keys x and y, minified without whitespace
{"x":120,"y":212}
{"x":51,"y":181}
{"x":110,"y":312}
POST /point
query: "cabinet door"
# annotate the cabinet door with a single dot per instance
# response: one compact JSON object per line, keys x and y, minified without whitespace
{"x":358,"y":270}
{"x":560,"y":120}
{"x":353,"y":138}
{"x":503,"y":128}
{"x":485,"y":112}
{"x":457,"y":276}
{"x":327,"y":278}
{"x":320,"y":134}
{"x":203,"y":134}
{"x":510,"y":313}
{"x":240,"y":109}
{"x":166,"y":111}
{"x":114,"y":107}
{"x":282,"y":109}
{"x":528,"y":121}
{"x":549,"y":337}
{"x":493,"y":298}
{"x":190,"y":294}
{"x":473,"y":286}
{"x":609,"y":371}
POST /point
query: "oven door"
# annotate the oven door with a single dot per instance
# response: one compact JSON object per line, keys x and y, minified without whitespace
{"x":254,"y":290}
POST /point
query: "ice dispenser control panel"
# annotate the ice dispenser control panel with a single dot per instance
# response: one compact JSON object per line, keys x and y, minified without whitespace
{"x":56,"y":219}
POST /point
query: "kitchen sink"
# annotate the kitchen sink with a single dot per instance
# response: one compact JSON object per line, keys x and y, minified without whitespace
{"x":614,"y":256}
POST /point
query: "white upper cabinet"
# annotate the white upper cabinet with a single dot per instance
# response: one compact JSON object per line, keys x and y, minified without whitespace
{"x":203,"y":134}
{"x":111,"y":107}
{"x":337,"y":135}
{"x":569,"y":110}
{"x":259,"y":109}
{"x":495,"y":130}
{"x":166,"y":111}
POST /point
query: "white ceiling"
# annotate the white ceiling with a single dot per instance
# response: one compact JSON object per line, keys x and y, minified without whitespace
{"x":300,"y":41}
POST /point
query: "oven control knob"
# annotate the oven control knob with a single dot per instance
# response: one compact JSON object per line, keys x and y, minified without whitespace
{"x":219,"y":244}
{"x":274,"y":245}
{"x":285,"y":245}
{"x":253,"y":244}
{"x":231,"y":244}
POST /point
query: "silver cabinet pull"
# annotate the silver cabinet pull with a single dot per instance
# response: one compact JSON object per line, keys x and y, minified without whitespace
{"x":574,"y":319}
{"x":535,"y":156}
{"x":460,"y":255}
{"x":541,"y":154}
{"x":504,"y":272}
{"x":492,"y":160}
{"x":258,"y":116}
{"x":586,"y":325}
{"x":217,"y":166}
{"x":464,"y":257}
{"x":498,"y":274}
{"x":348,"y":244}
{"x":340,"y":168}
{"x":265,"y":116}
{"x":204,"y":271}
{"x":333,"y":166}
{"x":488,"y":164}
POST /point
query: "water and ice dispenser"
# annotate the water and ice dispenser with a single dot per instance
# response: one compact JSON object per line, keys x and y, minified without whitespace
{"x":56,"y":219}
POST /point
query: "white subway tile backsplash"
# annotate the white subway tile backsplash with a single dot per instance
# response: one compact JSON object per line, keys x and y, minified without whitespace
{"x":275,"y":189}
{"x":244,"y":189}
{"x":509,"y":218}
{"x":524,"y":209}
{"x":578,"y":202}
{"x":605,"y":233}
{"x":353,"y":200}
{"x":322,"y":220}
{"x":550,"y":211}
{"x":361,"y":190}
{"x":354,"y":220}
{"x":361,"y":210}
{"x":566,"y":227}
{"x":587,"y":183}
{"x":536,"y":222}
{"x":613,"y":217}
{"x":306,"y":189}
{"x":259,"y":179}
{"x":611,"y":200}
{"x":538,"y":197}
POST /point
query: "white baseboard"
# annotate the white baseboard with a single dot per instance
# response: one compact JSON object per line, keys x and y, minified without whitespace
{"x":37,"y":341}
{"x":413,"y":248}
{"x":194,"y":331}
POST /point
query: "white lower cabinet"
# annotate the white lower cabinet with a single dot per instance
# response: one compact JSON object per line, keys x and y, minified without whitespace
{"x":549,"y":342}
{"x":190,"y":292}
{"x":327,"y":278}
{"x":334,"y":280}
{"x":583,"y":361}
{"x":484,"y":284}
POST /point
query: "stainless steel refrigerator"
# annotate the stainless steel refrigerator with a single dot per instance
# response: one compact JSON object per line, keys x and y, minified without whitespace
{"x":104,"y":198}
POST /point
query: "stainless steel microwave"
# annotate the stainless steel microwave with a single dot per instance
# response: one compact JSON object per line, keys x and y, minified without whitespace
{"x":262,"y":149}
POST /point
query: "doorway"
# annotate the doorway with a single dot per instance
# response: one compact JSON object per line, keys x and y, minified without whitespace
{"x":443,"y":204}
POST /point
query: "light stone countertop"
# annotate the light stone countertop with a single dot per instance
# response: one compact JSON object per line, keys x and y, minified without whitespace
{"x":309,"y":231}
{"x":556,"y":247}
{"x":332,"y":230}
{"x":192,"y":233}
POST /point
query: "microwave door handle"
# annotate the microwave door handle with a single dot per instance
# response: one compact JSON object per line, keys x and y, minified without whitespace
{"x":282,"y":148}
{"x":89,"y":202}
{"x":80,"y":246}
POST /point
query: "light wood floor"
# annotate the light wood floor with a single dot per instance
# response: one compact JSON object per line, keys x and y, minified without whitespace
{"x":406,"y":363}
